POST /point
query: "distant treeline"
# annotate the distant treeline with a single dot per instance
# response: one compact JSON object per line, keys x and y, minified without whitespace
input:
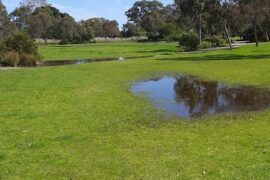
{"x":249,"y":19}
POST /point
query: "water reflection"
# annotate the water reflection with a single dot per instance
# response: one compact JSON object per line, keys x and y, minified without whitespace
{"x":191,"y":97}
{"x":84,"y":61}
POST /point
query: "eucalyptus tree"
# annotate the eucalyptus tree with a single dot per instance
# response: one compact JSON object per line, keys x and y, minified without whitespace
{"x":6,"y":26}
{"x":33,"y":4}
{"x":131,"y":30}
{"x":151,"y":16}
{"x":229,"y":13}
{"x":68,"y":28}
{"x":111,"y":29}
{"x":255,"y":12}
{"x":142,"y":8}
{"x":3,"y":19}
{"x":21,"y":17}
{"x":195,"y":10}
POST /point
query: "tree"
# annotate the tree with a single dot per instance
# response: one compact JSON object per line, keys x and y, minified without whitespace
{"x":152,"y":23}
{"x":227,"y":12}
{"x":151,"y":16}
{"x":85,"y":30}
{"x":101,"y":27}
{"x":68,"y":28}
{"x":6,"y":26}
{"x":131,"y":30}
{"x":111,"y":29}
{"x":21,"y":17}
{"x":33,"y":4}
{"x":255,"y":12}
{"x":97,"y":26}
{"x":44,"y":23}
{"x":40,"y":25}
{"x":142,"y":8}
{"x":195,"y":9}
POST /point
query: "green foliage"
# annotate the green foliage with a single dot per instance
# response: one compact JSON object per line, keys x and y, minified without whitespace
{"x":6,"y":26}
{"x":249,"y":35}
{"x":150,"y":16}
{"x":170,"y":32}
{"x":28,"y":60}
{"x":10,"y":59}
{"x":21,"y":42}
{"x":19,"y":49}
{"x":205,"y":45}
{"x":131,"y":30}
{"x":2,"y":49}
{"x":216,"y":41}
{"x":190,"y":41}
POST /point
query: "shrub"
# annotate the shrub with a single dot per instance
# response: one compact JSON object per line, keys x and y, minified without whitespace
{"x":170,"y":32}
{"x":19,"y":49}
{"x":173,"y":37}
{"x":249,"y":35}
{"x":154,"y":36}
{"x":189,"y":41}
{"x":2,"y":49}
{"x":21,"y":42}
{"x":205,"y":45}
{"x":10,"y":59}
{"x":216,"y":41}
{"x":28,"y":60}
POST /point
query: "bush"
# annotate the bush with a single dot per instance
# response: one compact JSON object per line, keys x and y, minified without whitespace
{"x":173,"y":37}
{"x":28,"y":60}
{"x":10,"y":59}
{"x":216,"y":41}
{"x":249,"y":35}
{"x":205,"y":45}
{"x":19,"y":49}
{"x":154,"y":36}
{"x":21,"y":42}
{"x":2,"y":49}
{"x":189,"y":41}
{"x":170,"y":32}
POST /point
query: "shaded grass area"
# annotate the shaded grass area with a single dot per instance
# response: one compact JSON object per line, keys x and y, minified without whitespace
{"x":105,"y":50}
{"x":244,"y":53}
{"x":81,"y":122}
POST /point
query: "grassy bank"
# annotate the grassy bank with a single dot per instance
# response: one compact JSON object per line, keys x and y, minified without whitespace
{"x":81,"y":122}
{"x":105,"y":50}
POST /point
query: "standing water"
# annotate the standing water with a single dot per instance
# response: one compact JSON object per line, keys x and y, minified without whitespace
{"x":188,"y":97}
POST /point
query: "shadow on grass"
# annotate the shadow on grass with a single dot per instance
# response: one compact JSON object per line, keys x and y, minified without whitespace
{"x":157,"y":51}
{"x":219,"y":57}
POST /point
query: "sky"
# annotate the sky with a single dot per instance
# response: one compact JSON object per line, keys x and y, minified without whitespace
{"x":85,"y":9}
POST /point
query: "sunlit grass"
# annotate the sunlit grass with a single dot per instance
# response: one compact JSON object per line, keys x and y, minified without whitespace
{"x":105,"y":50}
{"x":82,"y":122}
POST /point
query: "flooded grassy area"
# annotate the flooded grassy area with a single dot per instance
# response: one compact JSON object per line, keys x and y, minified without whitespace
{"x":81,"y":121}
{"x":191,"y":97}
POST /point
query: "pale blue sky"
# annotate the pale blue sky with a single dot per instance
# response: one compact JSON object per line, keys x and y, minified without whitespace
{"x":84,"y":9}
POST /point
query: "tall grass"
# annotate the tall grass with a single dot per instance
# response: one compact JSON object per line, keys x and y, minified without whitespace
{"x":10,"y":59}
{"x":14,"y":59}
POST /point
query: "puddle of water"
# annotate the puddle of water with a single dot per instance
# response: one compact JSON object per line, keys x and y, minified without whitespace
{"x":189,"y":97}
{"x":84,"y":61}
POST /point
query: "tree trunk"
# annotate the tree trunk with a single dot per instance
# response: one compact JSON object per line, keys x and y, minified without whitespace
{"x":228,"y":36}
{"x":266,"y":36}
{"x":200,"y":29}
{"x":256,"y":34}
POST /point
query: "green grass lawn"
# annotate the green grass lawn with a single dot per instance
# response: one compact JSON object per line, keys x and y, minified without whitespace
{"x":104,"y":50}
{"x":82,"y":122}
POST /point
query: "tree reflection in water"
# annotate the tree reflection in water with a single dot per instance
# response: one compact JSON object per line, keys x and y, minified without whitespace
{"x":191,"y":97}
